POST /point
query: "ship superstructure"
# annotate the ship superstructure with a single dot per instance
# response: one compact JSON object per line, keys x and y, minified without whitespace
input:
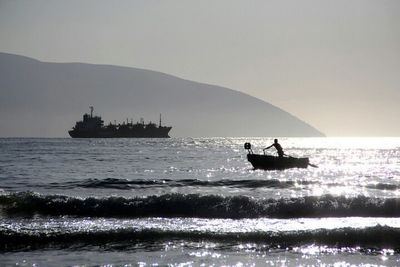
{"x":93,"y":127}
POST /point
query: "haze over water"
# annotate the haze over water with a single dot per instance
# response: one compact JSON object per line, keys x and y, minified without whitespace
{"x":198,"y":201}
{"x":334,"y":64}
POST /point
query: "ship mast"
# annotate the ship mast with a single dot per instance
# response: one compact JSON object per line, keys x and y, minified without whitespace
{"x":91,"y":111}
{"x":160,"y":121}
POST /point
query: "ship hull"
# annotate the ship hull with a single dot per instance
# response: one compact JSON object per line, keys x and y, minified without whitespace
{"x":154,"y":133}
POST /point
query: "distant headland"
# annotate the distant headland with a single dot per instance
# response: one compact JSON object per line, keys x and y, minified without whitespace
{"x":45,"y":99}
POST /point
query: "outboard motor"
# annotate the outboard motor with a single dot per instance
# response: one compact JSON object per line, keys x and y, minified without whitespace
{"x":247,"y":146}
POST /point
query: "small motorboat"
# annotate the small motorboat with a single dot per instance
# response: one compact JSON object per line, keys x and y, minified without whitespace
{"x":267,"y":162}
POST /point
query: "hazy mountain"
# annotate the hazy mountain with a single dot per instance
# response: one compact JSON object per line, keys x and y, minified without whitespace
{"x":45,"y":99}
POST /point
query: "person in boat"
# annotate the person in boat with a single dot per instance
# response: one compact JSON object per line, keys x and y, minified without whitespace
{"x":278,"y":148}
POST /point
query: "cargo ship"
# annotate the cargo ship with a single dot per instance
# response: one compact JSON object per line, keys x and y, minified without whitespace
{"x":93,"y":127}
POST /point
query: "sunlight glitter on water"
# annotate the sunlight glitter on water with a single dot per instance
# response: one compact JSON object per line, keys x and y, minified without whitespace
{"x":358,"y":172}
{"x":348,"y":166}
{"x":195,"y":225}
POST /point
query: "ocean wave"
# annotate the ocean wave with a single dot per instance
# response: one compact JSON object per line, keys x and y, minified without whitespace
{"x":383,"y":186}
{"x":373,"y":237}
{"x":124,"y":184}
{"x":201,"y":206}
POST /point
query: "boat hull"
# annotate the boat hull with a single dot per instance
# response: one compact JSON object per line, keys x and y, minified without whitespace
{"x":267,"y":162}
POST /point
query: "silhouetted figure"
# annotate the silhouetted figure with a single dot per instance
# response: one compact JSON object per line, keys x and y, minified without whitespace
{"x":278,"y":148}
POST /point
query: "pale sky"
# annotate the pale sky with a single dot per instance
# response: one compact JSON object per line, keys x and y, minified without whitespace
{"x":334,"y":64}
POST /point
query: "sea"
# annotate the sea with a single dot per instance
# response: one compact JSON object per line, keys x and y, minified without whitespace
{"x":198,"y":202}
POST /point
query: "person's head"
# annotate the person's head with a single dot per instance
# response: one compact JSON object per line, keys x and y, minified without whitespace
{"x":275,"y":141}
